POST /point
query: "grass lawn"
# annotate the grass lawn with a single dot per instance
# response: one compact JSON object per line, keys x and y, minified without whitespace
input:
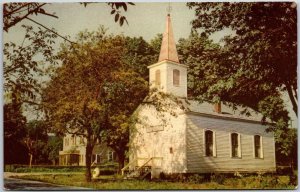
{"x":115,"y":182}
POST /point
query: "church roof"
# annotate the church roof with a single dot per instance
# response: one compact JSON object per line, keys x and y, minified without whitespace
{"x":168,"y":47}
{"x":206,"y":108}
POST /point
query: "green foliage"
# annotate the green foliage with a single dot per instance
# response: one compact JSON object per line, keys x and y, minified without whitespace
{"x":35,"y":140}
{"x":14,"y":121}
{"x":287,"y":148}
{"x":254,"y":67}
{"x":140,"y":54}
{"x":105,"y":170}
{"x":112,"y":182}
{"x":218,"y":178}
{"x":196,"y":178}
{"x":14,"y":131}
{"x":96,"y":89}
{"x":200,"y":54}
{"x":260,"y":58}
{"x":54,"y":145}
{"x":23,"y":64}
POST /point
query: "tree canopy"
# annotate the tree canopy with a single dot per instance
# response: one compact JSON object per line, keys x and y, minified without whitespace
{"x":96,"y":89}
{"x":258,"y":62}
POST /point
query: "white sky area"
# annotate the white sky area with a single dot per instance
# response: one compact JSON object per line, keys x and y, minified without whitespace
{"x":145,"y":19}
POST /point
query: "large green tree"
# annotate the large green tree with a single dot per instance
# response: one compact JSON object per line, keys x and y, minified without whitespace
{"x":93,"y":86}
{"x":260,"y":58}
{"x":257,"y":63}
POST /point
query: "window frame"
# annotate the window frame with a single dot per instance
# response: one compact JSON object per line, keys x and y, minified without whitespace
{"x":176,"y":82}
{"x":110,"y":156}
{"x":239,"y":148}
{"x":214,"y":149}
{"x":261,"y":154}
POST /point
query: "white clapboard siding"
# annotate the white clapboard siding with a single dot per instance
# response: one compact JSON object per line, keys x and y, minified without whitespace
{"x":198,"y":162}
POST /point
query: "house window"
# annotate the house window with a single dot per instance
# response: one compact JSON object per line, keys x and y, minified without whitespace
{"x":235,"y":145}
{"x":258,"y":146}
{"x":176,"y":74}
{"x":209,"y":140}
{"x":157,"y":77}
{"x":110,"y":156}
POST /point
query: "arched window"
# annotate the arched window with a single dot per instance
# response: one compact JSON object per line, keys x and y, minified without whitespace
{"x":257,"y":146}
{"x":176,"y":75}
{"x":157,"y":77}
{"x":235,"y":145}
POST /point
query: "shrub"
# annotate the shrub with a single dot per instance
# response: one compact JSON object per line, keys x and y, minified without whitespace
{"x":105,"y":169}
{"x":196,"y":178}
{"x":218,"y":178}
{"x":162,"y":176}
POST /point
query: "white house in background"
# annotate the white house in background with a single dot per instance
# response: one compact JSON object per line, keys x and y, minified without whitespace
{"x":74,"y":151}
{"x":197,"y":138}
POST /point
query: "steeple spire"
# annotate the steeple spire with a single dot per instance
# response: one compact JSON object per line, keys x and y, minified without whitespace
{"x":168,"y":48}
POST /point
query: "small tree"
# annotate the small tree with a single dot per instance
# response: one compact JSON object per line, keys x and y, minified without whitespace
{"x":287,"y":148}
{"x":54,"y":145}
{"x":35,"y":139}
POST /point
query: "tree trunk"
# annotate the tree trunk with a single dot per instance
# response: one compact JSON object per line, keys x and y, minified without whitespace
{"x":88,"y":159}
{"x":30,"y":159}
{"x":292,"y":99}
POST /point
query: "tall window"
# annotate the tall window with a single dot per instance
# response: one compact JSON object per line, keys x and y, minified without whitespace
{"x":209,"y":143}
{"x":176,"y":75}
{"x":235,"y":145}
{"x":110,"y":156}
{"x":257,"y":146}
{"x":157,"y":77}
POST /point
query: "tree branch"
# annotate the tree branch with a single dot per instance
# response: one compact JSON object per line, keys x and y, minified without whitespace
{"x":292,"y":99}
{"x":6,"y":14}
{"x":21,"y":18}
{"x":50,"y":30}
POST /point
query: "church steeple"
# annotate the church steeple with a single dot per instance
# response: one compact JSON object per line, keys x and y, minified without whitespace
{"x":168,"y":75}
{"x":168,"y":48}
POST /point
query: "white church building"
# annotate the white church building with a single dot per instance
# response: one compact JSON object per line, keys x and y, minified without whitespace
{"x":194,"y":137}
